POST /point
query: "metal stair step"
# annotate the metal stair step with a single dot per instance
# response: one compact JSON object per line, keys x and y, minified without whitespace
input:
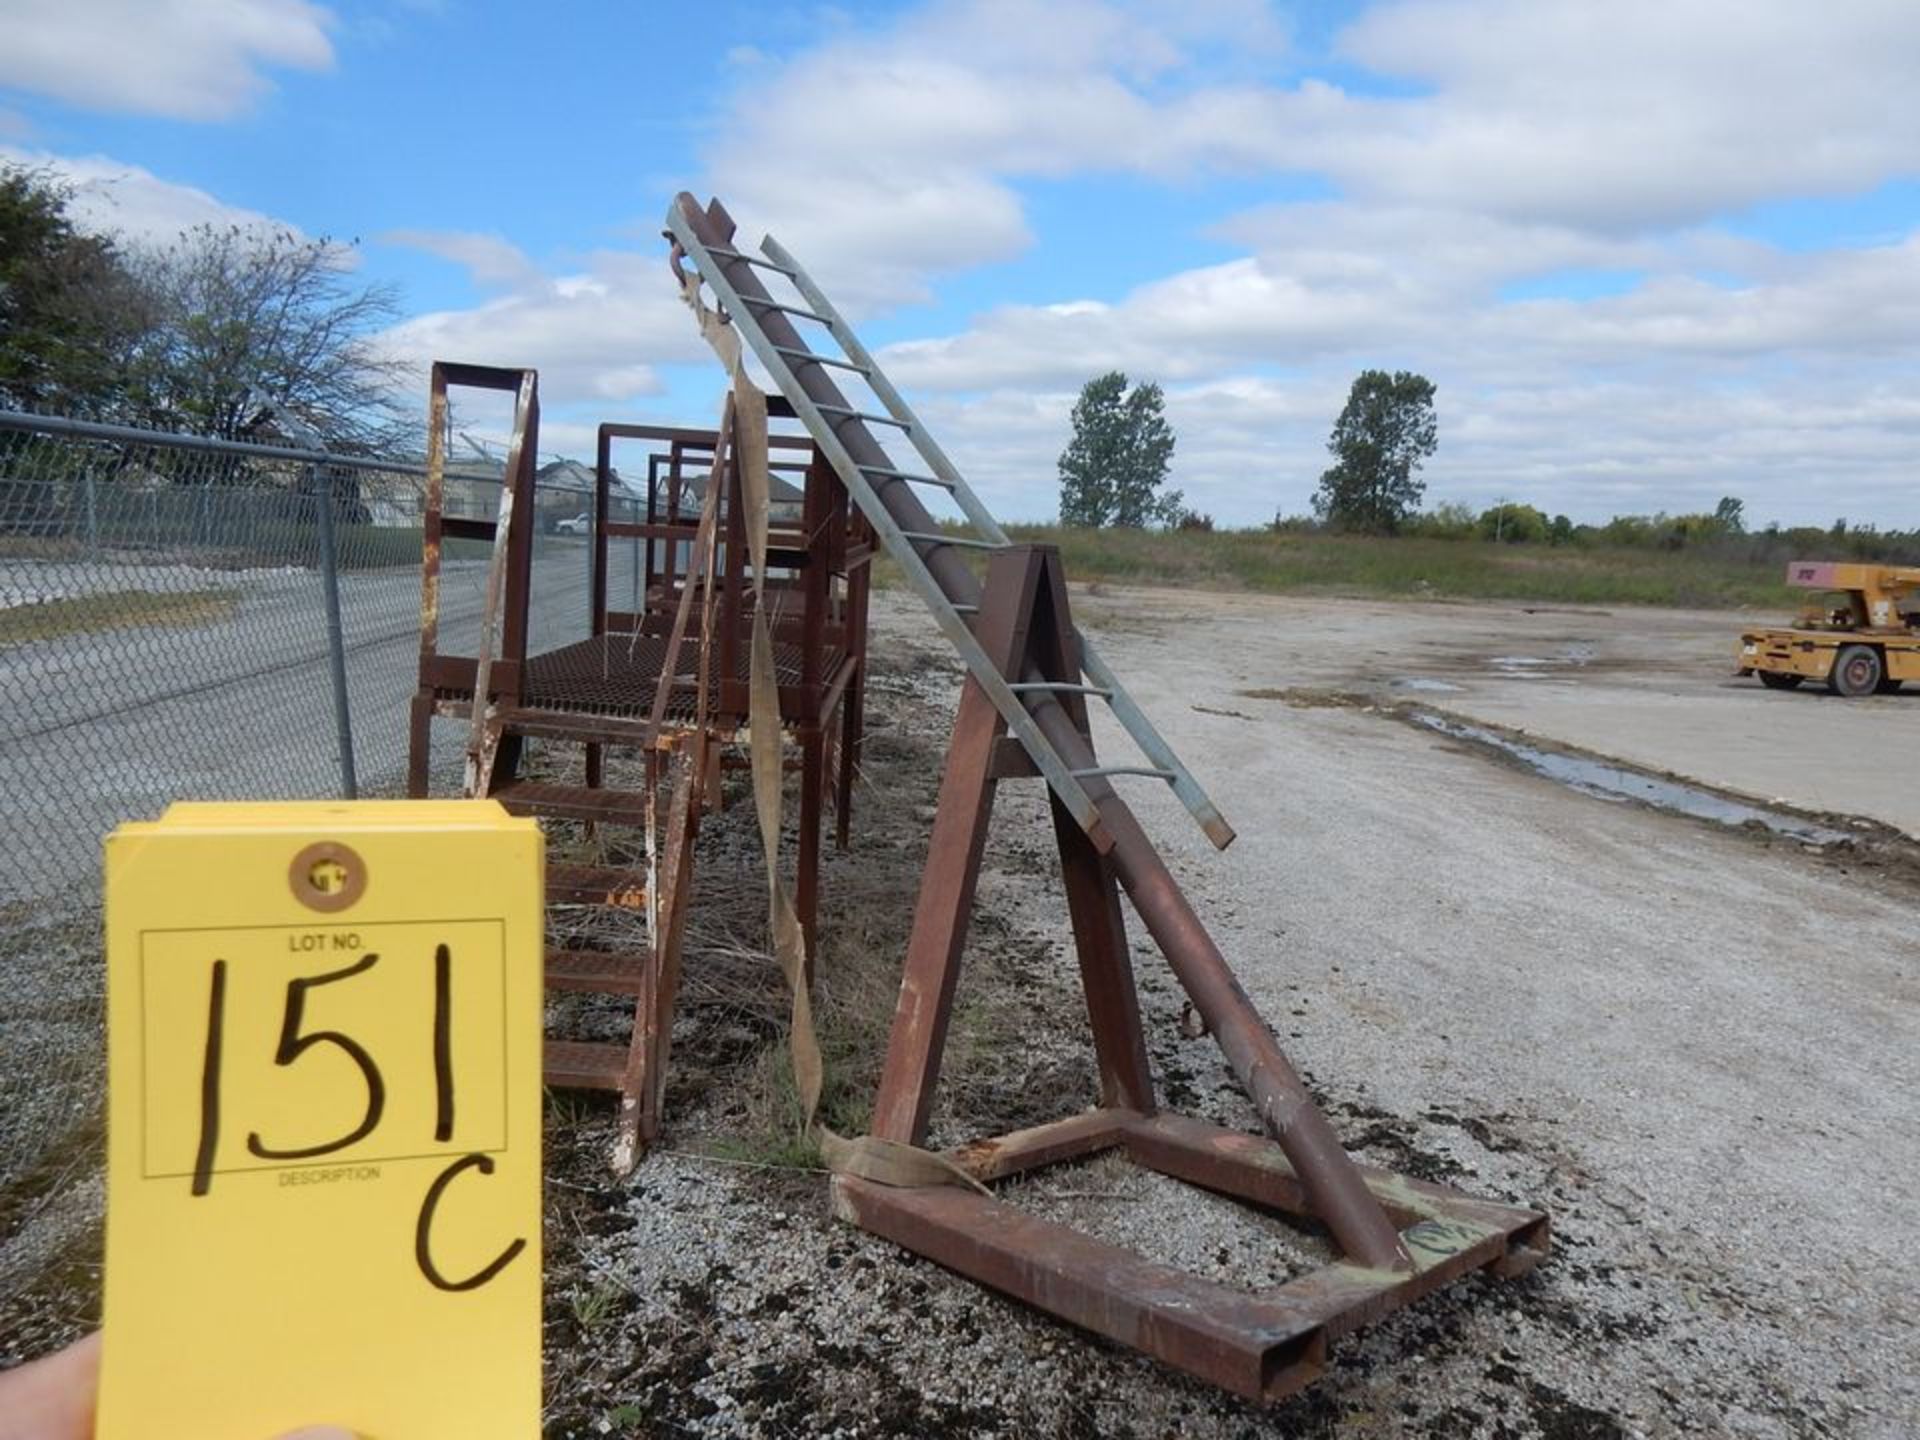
{"x":572,"y":725}
{"x":619,"y":886}
{"x":578,"y":1065}
{"x":573,"y":802}
{"x":605,"y":972}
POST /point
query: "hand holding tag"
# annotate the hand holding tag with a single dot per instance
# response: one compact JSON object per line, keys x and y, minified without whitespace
{"x":52,"y":1398}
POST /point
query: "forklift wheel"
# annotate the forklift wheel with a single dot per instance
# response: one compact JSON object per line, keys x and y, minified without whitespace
{"x":1778,"y":680}
{"x":1856,"y":671}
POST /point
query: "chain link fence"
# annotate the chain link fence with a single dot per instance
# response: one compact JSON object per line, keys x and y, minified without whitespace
{"x":191,"y":619}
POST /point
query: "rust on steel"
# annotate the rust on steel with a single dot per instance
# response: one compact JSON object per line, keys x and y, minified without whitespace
{"x":647,"y":680}
{"x":1263,"y":1345}
{"x":1341,"y":1199}
{"x":1398,"y":1238}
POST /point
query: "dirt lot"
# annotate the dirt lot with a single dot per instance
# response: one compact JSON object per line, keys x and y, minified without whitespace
{"x":1696,"y":1045}
{"x":1655,"y":688}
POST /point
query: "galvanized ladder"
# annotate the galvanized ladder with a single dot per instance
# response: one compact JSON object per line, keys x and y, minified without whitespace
{"x":825,"y":423}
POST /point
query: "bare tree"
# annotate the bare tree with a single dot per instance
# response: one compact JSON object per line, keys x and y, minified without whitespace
{"x":252,"y":323}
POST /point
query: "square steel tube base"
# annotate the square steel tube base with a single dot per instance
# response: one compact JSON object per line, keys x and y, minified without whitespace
{"x":1264,"y":1345}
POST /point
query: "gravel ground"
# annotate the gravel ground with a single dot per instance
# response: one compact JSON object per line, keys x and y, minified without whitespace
{"x":1693,"y":1046}
{"x":1653,"y":687}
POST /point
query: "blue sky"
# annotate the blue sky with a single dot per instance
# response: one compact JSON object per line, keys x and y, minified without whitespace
{"x":1652,"y":253}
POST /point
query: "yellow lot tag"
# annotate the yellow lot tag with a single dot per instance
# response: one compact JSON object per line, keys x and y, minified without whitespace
{"x":323,"y":1195}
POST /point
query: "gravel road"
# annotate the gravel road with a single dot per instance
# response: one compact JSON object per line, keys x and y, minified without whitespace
{"x":1694,"y":1046}
{"x":1652,"y":687}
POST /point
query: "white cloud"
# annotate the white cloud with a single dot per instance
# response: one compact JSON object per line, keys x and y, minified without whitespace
{"x":1521,"y":140}
{"x":182,"y":59}
{"x":112,"y":197}
{"x":1785,"y":383}
{"x":1635,"y":113}
{"x":893,"y":153}
{"x":594,"y":334}
{"x":889,"y":154}
{"x":1426,"y":284}
{"x":491,"y":260}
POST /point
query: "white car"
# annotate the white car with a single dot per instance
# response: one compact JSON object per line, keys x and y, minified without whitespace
{"x":580,"y":524}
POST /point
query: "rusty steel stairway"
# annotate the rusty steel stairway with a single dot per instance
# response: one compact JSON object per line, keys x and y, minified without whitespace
{"x":489,"y":691}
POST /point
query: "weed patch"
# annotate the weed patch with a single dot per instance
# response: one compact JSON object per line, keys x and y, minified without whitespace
{"x":114,"y":610}
{"x":1410,"y":567}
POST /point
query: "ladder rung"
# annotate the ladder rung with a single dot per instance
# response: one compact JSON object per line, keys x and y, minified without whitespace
{"x":847,"y":412}
{"x":791,"y":353}
{"x":906,"y":475}
{"x":681,"y":223}
{"x":937,"y":539}
{"x":1021,"y":687}
{"x":764,"y":264}
{"x":1094,"y":770}
{"x":804,"y":314}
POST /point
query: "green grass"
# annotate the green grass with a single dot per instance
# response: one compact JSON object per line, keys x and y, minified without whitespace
{"x":1409,"y":568}
{"x":113,"y":610}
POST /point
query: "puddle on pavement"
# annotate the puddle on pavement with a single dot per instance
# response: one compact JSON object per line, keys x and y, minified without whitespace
{"x":1415,"y":682}
{"x":1613,"y":782}
{"x":1521,"y":667}
{"x":1534,"y":667}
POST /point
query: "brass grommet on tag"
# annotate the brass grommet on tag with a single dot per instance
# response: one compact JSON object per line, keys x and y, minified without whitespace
{"x":327,"y":876}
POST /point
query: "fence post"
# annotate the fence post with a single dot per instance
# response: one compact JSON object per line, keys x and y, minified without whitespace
{"x":93,"y":512}
{"x":322,"y":488}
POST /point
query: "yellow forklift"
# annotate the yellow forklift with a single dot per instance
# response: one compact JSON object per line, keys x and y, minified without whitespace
{"x":1860,"y":631}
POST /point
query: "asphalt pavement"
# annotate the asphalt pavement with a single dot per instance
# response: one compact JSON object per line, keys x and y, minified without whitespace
{"x":235,"y":702}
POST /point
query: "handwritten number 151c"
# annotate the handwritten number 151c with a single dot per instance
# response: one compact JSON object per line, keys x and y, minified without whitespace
{"x":293,"y":1045}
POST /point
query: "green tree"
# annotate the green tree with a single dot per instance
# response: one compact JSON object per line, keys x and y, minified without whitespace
{"x":1449,"y":520}
{"x":1113,"y":468}
{"x":69,"y":310}
{"x":1383,"y":434}
{"x":1731,"y":514}
{"x":1514,"y":524}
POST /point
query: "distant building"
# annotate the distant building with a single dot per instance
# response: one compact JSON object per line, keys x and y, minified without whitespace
{"x":563,"y":489}
{"x":785,"y":501}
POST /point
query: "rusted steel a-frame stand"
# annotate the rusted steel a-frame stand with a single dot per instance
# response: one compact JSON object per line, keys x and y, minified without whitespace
{"x":1263,"y":1346}
{"x":1030,"y":676}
